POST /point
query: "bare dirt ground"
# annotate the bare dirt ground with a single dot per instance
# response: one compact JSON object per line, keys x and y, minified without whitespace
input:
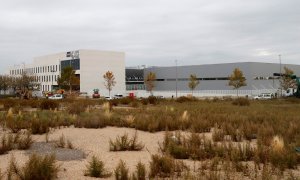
{"x":92,"y":142}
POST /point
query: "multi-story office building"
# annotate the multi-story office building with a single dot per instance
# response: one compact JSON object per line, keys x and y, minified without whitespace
{"x":89,"y":66}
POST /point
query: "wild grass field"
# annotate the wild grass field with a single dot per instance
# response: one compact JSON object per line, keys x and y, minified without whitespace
{"x":151,"y":138}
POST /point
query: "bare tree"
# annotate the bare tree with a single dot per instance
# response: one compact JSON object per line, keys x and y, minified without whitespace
{"x":237,"y":80}
{"x":149,"y":81}
{"x":109,"y":81}
{"x":194,"y":82}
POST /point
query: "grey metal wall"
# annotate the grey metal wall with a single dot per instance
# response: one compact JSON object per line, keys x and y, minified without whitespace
{"x":250,"y":70}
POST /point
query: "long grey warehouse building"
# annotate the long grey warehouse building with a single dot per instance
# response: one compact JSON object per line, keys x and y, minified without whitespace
{"x":214,"y":77}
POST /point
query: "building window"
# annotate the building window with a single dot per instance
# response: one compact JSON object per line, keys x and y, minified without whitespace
{"x":74,"y":63}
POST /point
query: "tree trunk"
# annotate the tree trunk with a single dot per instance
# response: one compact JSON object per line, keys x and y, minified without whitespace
{"x":237,"y":92}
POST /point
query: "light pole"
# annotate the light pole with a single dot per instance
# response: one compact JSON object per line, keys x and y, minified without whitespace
{"x":280,"y":77}
{"x":176,"y":77}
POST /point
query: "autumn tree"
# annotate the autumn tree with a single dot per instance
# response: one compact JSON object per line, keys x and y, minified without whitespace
{"x":286,"y":80}
{"x":237,"y":80}
{"x":194,"y":82}
{"x":68,"y":78}
{"x":109,"y":81}
{"x":149,"y":81}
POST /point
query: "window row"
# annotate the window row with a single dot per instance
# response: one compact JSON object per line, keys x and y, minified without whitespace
{"x":50,"y":78}
{"x":41,"y":69}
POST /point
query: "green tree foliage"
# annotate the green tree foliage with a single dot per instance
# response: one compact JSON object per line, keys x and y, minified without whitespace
{"x":237,"y":79}
{"x":149,"y":81}
{"x":68,"y":78}
{"x":4,"y":83}
{"x":194,"y":82}
{"x":286,"y":81}
{"x":109,"y":81}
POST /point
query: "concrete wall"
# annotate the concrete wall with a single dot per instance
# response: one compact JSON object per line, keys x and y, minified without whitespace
{"x":94,"y":64}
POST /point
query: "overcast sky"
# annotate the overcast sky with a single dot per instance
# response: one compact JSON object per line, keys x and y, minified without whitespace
{"x":153,"y":32}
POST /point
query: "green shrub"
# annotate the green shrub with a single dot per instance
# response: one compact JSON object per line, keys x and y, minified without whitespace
{"x":47,"y":104}
{"x":96,"y":168}
{"x":37,"y":167}
{"x":123,"y":143}
{"x":121,"y":172}
{"x":241,"y":102}
{"x":165,"y":166}
{"x":140,"y":172}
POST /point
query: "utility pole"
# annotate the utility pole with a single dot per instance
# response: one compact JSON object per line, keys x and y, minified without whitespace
{"x":176,"y":77}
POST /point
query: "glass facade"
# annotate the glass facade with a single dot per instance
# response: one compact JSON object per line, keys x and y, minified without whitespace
{"x":74,"y":63}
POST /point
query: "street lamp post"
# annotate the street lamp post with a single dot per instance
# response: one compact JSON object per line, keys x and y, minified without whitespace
{"x":280,"y":77}
{"x":176,"y":78}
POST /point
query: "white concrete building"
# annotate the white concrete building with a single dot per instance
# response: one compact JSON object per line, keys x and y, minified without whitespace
{"x":90,"y":66}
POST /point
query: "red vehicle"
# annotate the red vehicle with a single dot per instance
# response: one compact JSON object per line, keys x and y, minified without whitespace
{"x":96,"y":93}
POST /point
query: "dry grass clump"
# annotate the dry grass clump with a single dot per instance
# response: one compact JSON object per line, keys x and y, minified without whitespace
{"x":47,"y":104}
{"x":95,"y":168}
{"x":92,"y":120}
{"x":140,"y":172}
{"x":63,"y":143}
{"x":241,"y":102}
{"x":166,"y":166}
{"x":24,"y":141}
{"x":37,"y":167}
{"x":121,"y":172}
{"x":17,"y":141}
{"x":123,"y":143}
{"x":7,"y":143}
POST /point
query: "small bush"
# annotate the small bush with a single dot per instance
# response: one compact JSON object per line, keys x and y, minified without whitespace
{"x":37,"y":167}
{"x":75,"y":108}
{"x":123,"y":143}
{"x":47,"y":104}
{"x":144,"y":101}
{"x":121,"y":172}
{"x":96,"y":168}
{"x":152,"y":100}
{"x":9,"y":103}
{"x":125,"y":100}
{"x":165,"y":166}
{"x":61,"y":143}
{"x":183,"y":99}
{"x":7,"y":144}
{"x":241,"y":102}
{"x":25,"y":141}
{"x":140,"y":172}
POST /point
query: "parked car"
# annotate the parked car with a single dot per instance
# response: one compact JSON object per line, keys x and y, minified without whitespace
{"x":108,"y":98}
{"x":264,"y":96}
{"x":56,"y":96}
{"x":118,"y":96}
